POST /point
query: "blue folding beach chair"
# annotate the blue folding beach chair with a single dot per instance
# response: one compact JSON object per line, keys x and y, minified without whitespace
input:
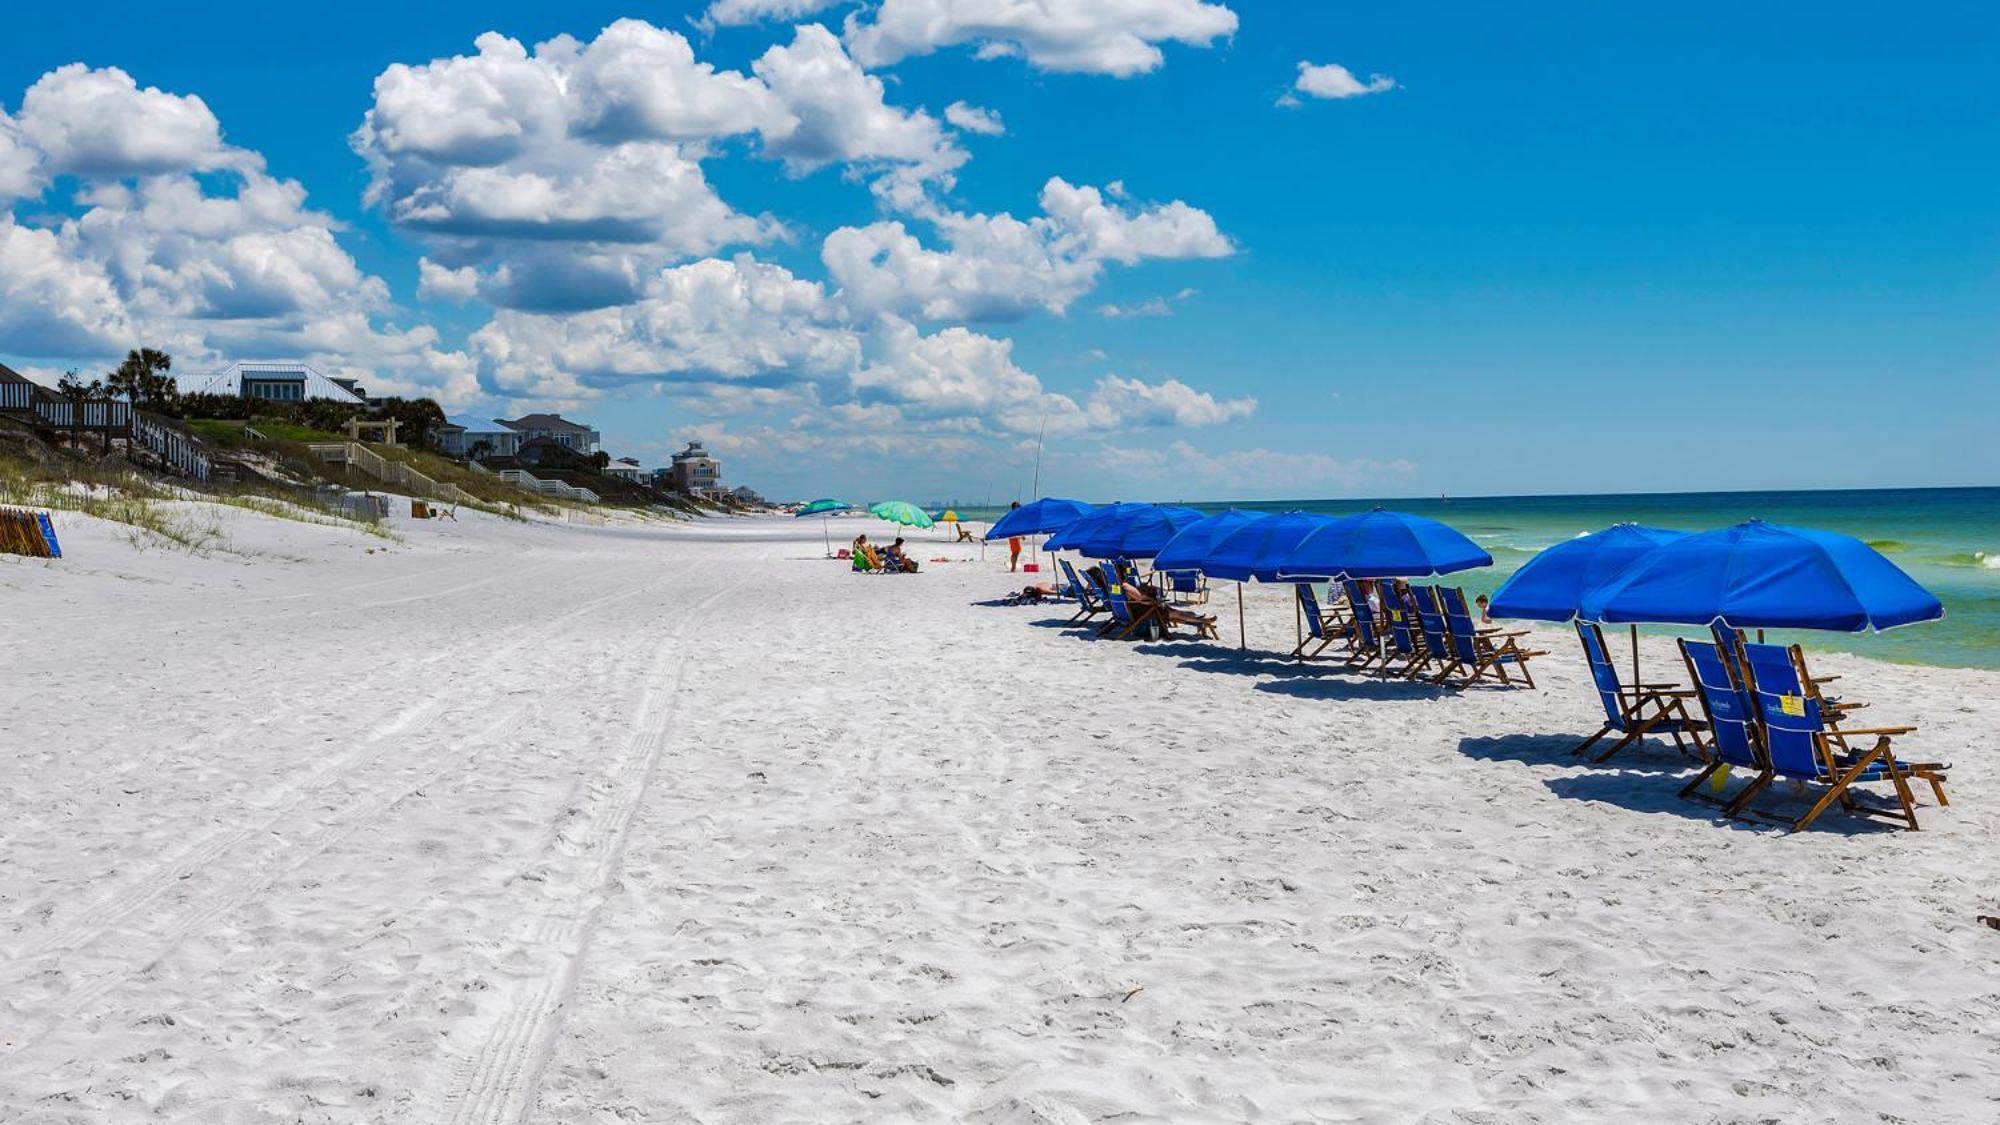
{"x":1430,"y":620}
{"x":1366,"y":637}
{"x":1800,"y":744}
{"x":1732,"y":726}
{"x":1405,"y":640}
{"x":1124,"y":619}
{"x":1477,"y":652}
{"x":1184,"y":587}
{"x":1636,"y":711}
{"x":1089,"y":603}
{"x":1322,"y":627}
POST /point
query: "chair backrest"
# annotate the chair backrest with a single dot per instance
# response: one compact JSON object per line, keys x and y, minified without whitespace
{"x":861,"y":562}
{"x":1402,"y":621}
{"x":1463,"y":633}
{"x":1430,"y":616}
{"x":1084,"y":593}
{"x":1364,"y":615}
{"x":1791,"y":717}
{"x":1185,"y":581}
{"x":1114,"y":597}
{"x":1731,"y":719}
{"x":1603,"y":673}
{"x":1309,"y":602}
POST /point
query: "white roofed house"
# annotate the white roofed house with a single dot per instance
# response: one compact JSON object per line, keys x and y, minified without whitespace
{"x":280,"y":380}
{"x":626,"y":469}
{"x":478,"y":438}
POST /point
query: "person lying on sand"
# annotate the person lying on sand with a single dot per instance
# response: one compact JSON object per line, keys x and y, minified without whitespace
{"x":1031,"y":595}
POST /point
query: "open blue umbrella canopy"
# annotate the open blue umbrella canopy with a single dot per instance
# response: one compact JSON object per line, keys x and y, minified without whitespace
{"x":1140,"y":535}
{"x":822,"y":508}
{"x":1050,"y":513}
{"x":1071,"y":537}
{"x":1760,"y":575}
{"x":1382,"y":544}
{"x":1551,"y":586}
{"x":1255,"y":550}
{"x":1188,"y":549}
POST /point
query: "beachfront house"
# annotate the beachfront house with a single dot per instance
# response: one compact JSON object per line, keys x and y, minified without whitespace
{"x":626,"y":469}
{"x":478,"y":438}
{"x":281,"y":380}
{"x":694,"y":472}
{"x":576,"y":438}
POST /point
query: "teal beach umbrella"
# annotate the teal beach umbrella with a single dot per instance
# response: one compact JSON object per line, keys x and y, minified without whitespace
{"x":823,"y":508}
{"x":902,"y":512}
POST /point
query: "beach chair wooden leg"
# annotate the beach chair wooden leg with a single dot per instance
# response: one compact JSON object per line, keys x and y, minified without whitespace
{"x":1593,"y":740}
{"x":1691,"y":791}
{"x":1739,"y":806}
{"x":1839,"y":787}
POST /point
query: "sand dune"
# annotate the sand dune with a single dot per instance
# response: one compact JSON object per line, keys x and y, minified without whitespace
{"x":517,"y":822}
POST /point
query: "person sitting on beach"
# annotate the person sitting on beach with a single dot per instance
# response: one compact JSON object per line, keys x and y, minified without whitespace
{"x":1142,"y":598}
{"x":897,"y":559}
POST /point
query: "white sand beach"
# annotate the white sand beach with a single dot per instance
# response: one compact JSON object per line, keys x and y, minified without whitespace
{"x":638,"y":823}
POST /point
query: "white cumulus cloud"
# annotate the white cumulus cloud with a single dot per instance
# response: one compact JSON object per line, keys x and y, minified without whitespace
{"x":1115,"y":37}
{"x":1331,"y":80}
{"x":998,"y":267}
{"x":974,"y":119}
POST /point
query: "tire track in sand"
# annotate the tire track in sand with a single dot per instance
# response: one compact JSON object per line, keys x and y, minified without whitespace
{"x":498,"y":1083}
{"x":411,"y":723}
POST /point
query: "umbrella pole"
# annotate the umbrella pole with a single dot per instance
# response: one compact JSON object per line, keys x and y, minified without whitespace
{"x":1242,"y":639}
{"x":827,"y":530}
{"x":1298,"y":622}
{"x":1635,"y":655}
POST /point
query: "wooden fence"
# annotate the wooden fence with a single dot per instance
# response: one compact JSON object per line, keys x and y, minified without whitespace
{"x":357,"y":456}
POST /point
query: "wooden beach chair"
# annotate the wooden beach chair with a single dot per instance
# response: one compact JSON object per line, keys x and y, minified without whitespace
{"x":1732,"y":728}
{"x":1634,"y":711}
{"x":1125,"y":618}
{"x":1366,"y":638}
{"x":1323,"y":627}
{"x":1431,"y":622}
{"x":1799,"y":744}
{"x":1089,"y":603}
{"x":1476,"y":653}
{"x":1406,"y":645}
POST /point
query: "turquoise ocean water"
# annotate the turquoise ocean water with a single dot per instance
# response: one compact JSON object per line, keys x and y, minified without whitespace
{"x":1946,"y":538}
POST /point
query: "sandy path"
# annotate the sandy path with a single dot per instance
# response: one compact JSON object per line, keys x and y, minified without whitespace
{"x":566,"y":824}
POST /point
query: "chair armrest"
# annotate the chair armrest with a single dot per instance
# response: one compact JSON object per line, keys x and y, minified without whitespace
{"x":1848,"y":731}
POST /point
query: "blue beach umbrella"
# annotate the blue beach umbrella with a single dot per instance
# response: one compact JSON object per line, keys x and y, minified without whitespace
{"x":1760,"y":575}
{"x":1190,"y":549}
{"x":1382,"y":544}
{"x":1254,"y":551}
{"x":1142,"y":534}
{"x":1072,"y":535}
{"x":1050,"y":513}
{"x":1551,"y":586}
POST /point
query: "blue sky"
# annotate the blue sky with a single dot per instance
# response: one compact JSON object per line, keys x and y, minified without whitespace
{"x":1575,"y":247}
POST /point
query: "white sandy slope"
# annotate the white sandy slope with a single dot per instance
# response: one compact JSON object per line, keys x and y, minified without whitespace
{"x":618,"y":824}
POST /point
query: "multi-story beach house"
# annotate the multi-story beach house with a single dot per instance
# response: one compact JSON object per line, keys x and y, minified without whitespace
{"x":694,"y":472}
{"x":570,"y":435}
{"x":273,"y":380}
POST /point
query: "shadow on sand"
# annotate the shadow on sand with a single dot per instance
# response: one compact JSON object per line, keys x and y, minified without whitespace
{"x":1648,"y":779}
